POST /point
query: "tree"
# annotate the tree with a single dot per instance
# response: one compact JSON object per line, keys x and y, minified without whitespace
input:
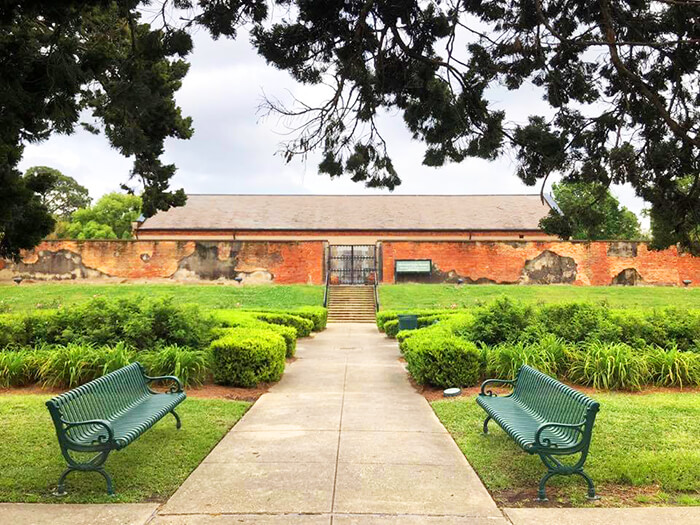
{"x":109,"y":218}
{"x":621,"y":78}
{"x":65,"y":195}
{"x":24,"y":219}
{"x":589,"y":212}
{"x":664,"y":229}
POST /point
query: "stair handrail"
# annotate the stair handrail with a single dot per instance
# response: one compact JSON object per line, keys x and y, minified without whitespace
{"x":376,"y":291}
{"x":325,"y":291}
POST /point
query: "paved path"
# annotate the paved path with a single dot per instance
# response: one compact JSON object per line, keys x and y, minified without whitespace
{"x":342,"y":439}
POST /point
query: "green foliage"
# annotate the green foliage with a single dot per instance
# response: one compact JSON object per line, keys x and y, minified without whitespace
{"x":109,"y":218}
{"x":18,"y":367}
{"x":438,"y":358}
{"x":192,"y":367}
{"x":246,"y":357}
{"x":671,"y":367}
{"x":137,"y":321}
{"x":316,"y":314}
{"x":609,"y":366}
{"x":24,"y":218}
{"x":577,"y":322}
{"x":548,"y":356}
{"x":65,"y":195}
{"x":69,"y":366}
{"x":500,"y":321}
{"x":302,"y":326}
{"x":391,"y":328}
{"x":590,"y":212}
{"x":61,"y":59}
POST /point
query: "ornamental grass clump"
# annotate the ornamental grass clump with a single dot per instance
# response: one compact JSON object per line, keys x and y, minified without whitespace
{"x":191,"y":367}
{"x":609,"y":366}
{"x":547,"y":355}
{"x":70,"y":365}
{"x":672,"y":367}
{"x":18,"y":367}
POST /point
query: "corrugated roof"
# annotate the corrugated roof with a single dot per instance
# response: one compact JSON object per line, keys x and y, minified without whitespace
{"x":353,"y":212}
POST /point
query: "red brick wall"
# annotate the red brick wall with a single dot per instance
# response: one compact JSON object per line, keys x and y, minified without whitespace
{"x":279,"y":262}
{"x":285,"y":262}
{"x":505,"y":261}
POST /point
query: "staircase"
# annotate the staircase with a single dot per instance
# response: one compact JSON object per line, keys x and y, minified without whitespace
{"x":351,"y":304}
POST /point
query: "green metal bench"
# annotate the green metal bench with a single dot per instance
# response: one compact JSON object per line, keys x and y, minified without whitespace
{"x":108,"y":414}
{"x":544,"y":417}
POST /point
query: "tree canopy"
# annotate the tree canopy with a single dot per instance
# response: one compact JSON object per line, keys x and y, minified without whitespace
{"x":109,"y":218}
{"x":64,"y":196}
{"x":620,"y":77}
{"x":589,"y":212}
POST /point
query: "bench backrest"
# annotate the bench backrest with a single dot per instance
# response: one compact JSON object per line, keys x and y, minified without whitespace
{"x":553,"y":401}
{"x":102,"y":398}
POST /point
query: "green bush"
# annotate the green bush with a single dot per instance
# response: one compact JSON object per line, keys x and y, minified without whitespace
{"x":441,"y":359}
{"x":672,"y":367}
{"x":609,"y":366}
{"x":140,"y":322}
{"x":391,"y":315}
{"x":246,"y":357}
{"x":237,"y":318}
{"x":391,"y":328}
{"x":318,"y":315}
{"x":301,"y":325}
{"x":70,"y":365}
{"x":192,"y":367}
{"x":500,"y":321}
{"x":578,"y":322}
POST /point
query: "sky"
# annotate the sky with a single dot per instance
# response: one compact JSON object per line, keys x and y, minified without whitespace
{"x":235,"y":149}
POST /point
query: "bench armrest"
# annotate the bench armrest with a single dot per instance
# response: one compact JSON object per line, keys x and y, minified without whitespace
{"x":489,"y":393}
{"x":546,"y":442}
{"x":177,"y":387}
{"x":101,"y":422}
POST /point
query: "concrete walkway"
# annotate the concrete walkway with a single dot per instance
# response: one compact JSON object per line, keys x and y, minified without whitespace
{"x":342,"y":439}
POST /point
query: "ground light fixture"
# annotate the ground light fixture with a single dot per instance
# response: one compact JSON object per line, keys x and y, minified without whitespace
{"x":451,"y":392}
{"x":687,"y":282}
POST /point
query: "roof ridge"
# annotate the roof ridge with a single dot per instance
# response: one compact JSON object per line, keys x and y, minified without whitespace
{"x":362,"y":195}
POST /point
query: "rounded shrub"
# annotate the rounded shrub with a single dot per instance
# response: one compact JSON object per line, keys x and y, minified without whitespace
{"x":301,"y":325}
{"x":318,"y":315}
{"x":236,"y":318}
{"x":441,"y":359}
{"x":500,"y":321}
{"x":246,"y":357}
{"x":391,"y":328}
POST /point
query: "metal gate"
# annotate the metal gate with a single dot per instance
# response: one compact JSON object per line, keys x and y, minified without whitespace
{"x":352,"y":264}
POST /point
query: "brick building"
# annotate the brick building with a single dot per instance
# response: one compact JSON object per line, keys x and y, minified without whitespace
{"x":350,"y":219}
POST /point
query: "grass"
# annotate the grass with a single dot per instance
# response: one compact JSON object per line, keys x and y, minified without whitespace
{"x":150,"y":469}
{"x":26,"y":297}
{"x":644,"y":451}
{"x":423,"y":296}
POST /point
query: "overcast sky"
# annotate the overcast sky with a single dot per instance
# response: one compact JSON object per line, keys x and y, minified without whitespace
{"x":233,"y":150}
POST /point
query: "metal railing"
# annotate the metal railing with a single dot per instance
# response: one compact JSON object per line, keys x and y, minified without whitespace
{"x":325,"y":291}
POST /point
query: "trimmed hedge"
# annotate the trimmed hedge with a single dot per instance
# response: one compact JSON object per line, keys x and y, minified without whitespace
{"x":237,"y":318}
{"x":318,"y":315}
{"x":301,"y":325}
{"x":441,"y":359}
{"x":245,"y":357}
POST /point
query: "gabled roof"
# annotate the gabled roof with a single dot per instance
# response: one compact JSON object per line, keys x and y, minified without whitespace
{"x":353,"y":212}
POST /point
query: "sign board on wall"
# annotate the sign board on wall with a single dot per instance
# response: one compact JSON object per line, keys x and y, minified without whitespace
{"x":413,"y":266}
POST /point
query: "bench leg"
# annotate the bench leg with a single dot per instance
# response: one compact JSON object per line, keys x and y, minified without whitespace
{"x":591,"y":486}
{"x":541,"y":493}
{"x":96,"y":464}
{"x":555,"y":467}
{"x":178,"y":423}
{"x":486,"y":424}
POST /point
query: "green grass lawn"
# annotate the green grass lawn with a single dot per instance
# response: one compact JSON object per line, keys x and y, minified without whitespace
{"x":150,"y":469}
{"x":15,"y":298}
{"x":407,"y":296}
{"x":644,"y":450}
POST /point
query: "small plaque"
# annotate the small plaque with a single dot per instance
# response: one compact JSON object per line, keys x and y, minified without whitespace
{"x":414,"y":266}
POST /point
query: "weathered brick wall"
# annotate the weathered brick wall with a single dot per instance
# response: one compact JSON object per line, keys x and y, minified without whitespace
{"x":279,"y":262}
{"x":284,"y":262}
{"x":531,"y":262}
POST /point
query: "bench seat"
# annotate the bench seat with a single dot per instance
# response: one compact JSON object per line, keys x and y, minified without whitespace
{"x":521,"y":423}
